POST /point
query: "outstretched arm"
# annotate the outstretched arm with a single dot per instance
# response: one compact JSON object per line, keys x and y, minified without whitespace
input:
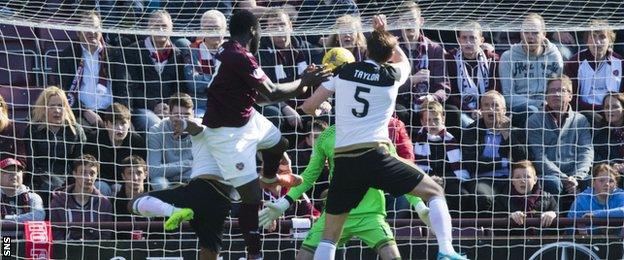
{"x":281,"y":92}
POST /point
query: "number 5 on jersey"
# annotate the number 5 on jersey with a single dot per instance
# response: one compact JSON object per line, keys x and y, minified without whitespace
{"x":357,"y":97}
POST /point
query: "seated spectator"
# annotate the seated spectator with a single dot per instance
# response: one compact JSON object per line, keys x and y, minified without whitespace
{"x":609,"y":135}
{"x":284,"y":58}
{"x":169,"y":154}
{"x":203,"y":63}
{"x":560,"y":140}
{"x":92,"y":74}
{"x":81,"y":203}
{"x":133,"y":172}
{"x":111,"y":144}
{"x":602,"y":200}
{"x":10,"y":143}
{"x":526,"y":199}
{"x":18,"y":203}
{"x":317,"y":14}
{"x":595,"y":70}
{"x":351,"y":37}
{"x":489,"y":145}
{"x":437,"y":154}
{"x":52,"y":139}
{"x":428,"y":81}
{"x":472,"y":72}
{"x":156,"y":69}
{"x":525,"y":67}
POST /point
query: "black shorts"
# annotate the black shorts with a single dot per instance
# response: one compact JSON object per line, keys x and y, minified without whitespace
{"x":210,"y":203}
{"x":357,"y":171}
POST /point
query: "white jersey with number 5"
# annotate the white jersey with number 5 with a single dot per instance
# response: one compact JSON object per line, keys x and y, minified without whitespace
{"x":365,"y":95}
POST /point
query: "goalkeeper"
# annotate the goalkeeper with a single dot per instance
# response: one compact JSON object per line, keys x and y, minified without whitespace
{"x":367,"y":221}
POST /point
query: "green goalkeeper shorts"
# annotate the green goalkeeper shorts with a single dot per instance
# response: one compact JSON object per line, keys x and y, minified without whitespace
{"x":373,"y":230}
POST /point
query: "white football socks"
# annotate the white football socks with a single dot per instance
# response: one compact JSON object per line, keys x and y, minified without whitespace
{"x":149,"y":206}
{"x":441,"y":224}
{"x":326,"y":250}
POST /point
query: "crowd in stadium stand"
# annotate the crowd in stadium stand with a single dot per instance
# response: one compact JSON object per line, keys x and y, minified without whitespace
{"x":517,"y":133}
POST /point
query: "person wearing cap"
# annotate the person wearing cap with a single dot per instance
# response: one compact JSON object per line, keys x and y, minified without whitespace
{"x":17,"y":203}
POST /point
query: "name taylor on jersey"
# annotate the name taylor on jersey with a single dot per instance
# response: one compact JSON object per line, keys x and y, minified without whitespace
{"x":369,"y":73}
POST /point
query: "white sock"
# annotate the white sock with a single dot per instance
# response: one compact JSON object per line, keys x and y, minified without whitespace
{"x":326,"y":250}
{"x":441,"y":224}
{"x":149,"y":206}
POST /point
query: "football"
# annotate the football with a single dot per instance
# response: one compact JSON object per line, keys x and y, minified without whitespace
{"x":336,"y":57}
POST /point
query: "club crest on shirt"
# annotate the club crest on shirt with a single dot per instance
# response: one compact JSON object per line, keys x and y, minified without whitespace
{"x":616,"y":73}
{"x":240,"y":166}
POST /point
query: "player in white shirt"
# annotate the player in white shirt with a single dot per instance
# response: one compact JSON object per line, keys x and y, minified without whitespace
{"x":365,"y":94}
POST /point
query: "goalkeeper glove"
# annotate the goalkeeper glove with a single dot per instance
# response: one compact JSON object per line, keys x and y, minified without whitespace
{"x":423,"y":213}
{"x":272,"y":211}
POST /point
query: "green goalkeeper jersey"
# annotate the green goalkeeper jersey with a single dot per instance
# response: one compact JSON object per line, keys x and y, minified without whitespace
{"x":373,"y":201}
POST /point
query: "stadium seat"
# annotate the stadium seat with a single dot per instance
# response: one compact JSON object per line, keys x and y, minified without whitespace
{"x":18,"y":100}
{"x":19,"y":60}
{"x":53,"y":42}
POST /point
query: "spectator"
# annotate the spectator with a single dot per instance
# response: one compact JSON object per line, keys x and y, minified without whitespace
{"x":52,"y":139}
{"x":315,"y":15}
{"x":602,"y":200}
{"x":472,"y":72}
{"x":10,"y":144}
{"x":81,"y":203}
{"x":595,"y":70}
{"x":427,"y":58}
{"x":203,"y":63}
{"x":284,"y":58}
{"x":18,"y":203}
{"x":134,"y":172}
{"x":489,"y":145}
{"x":527,"y":199}
{"x":428,"y":81}
{"x":156,"y":69}
{"x":524,"y":69}
{"x":609,"y":136}
{"x":169,"y":154}
{"x":92,"y":74}
{"x":437,"y":154}
{"x":185,"y":13}
{"x":560,"y":140}
{"x":351,"y":37}
{"x":111,"y":144}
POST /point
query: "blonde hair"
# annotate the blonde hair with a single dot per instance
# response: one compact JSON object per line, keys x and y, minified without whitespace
{"x":566,"y":82}
{"x":535,"y":16}
{"x":4,"y":114}
{"x":355,"y":24}
{"x":494,"y":94}
{"x":600,"y":25}
{"x":216,"y":14}
{"x":433,"y":107}
{"x":471,"y":26}
{"x":39,"y":112}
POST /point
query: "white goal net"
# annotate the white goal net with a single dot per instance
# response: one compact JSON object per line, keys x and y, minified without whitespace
{"x":120,"y":71}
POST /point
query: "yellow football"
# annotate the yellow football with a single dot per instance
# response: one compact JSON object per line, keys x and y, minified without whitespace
{"x":336,"y":57}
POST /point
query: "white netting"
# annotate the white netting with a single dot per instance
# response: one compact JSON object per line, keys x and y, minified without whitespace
{"x":38,"y":39}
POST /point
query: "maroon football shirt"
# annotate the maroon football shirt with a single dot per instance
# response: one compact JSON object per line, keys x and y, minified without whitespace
{"x":232,"y":91}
